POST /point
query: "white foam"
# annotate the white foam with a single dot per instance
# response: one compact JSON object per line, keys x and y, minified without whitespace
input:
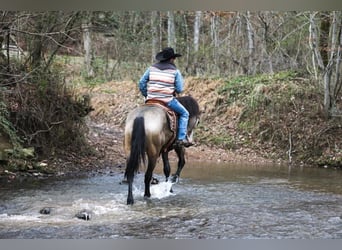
{"x":161,"y":190}
{"x":98,"y":208}
{"x":23,"y":218}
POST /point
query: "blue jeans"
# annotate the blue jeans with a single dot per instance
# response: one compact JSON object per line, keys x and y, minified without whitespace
{"x":183,"y":113}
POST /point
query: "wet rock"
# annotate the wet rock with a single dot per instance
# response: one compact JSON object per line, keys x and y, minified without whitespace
{"x":42,"y":164}
{"x":119,"y":166}
{"x":84,"y":215}
{"x":10,"y":175}
{"x":45,"y":210}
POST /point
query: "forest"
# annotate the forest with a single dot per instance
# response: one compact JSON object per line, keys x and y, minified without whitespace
{"x":278,"y":73}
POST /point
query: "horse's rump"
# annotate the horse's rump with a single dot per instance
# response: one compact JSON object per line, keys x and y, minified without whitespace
{"x":172,"y":120}
{"x":157,"y":128}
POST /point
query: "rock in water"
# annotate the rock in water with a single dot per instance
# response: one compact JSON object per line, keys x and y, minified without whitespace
{"x":84,"y":215}
{"x":45,"y":210}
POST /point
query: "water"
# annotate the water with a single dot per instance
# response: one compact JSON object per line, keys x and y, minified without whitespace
{"x":210,"y":201}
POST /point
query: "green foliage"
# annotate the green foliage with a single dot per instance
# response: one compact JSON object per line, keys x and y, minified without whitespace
{"x":7,"y":127}
{"x":224,"y":140}
{"x":214,"y":137}
{"x":247,"y":89}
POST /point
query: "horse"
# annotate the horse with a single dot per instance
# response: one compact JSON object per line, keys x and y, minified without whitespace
{"x":148,"y":132}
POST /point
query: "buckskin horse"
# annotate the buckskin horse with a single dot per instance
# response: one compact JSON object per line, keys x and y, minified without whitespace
{"x":148,"y":131}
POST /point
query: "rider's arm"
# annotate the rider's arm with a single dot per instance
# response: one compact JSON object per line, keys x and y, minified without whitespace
{"x":143,"y":82}
{"x":179,"y":82}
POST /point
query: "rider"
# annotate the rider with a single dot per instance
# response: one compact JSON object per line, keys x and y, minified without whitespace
{"x":161,"y":82}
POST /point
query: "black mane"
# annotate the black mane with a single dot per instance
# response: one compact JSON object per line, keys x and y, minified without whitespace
{"x":190,"y":104}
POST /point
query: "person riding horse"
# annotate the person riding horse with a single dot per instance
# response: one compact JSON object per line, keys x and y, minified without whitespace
{"x":148,"y":132}
{"x":161,"y":82}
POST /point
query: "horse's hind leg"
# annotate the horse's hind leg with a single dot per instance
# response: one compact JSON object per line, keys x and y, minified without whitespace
{"x":167,"y":168}
{"x":166,"y":164}
{"x":148,"y":175}
{"x":130,"y":200}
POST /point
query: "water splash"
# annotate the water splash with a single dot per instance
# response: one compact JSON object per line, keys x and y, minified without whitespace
{"x":158,"y":191}
{"x":161,"y":190}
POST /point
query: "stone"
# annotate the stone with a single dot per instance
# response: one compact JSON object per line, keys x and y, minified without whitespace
{"x":45,"y":210}
{"x":84,"y":215}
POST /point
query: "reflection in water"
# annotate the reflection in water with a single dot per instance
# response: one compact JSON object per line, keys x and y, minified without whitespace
{"x":210,"y":201}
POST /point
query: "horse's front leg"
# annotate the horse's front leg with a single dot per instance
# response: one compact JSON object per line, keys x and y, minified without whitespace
{"x":180,"y":151}
{"x":166,"y":164}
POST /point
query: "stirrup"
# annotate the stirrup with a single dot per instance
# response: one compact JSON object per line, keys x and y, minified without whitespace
{"x":184,"y":143}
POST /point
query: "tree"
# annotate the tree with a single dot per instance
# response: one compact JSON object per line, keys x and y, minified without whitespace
{"x":325,"y":41}
{"x":171,"y":38}
{"x":154,"y":32}
{"x":87,"y":43}
{"x":251,"y":46}
{"x":197,"y":26}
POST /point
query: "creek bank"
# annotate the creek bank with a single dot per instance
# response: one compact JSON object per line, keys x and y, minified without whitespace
{"x":228,"y":131}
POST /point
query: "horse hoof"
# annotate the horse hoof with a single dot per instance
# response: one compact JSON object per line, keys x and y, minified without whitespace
{"x":174,"y":179}
{"x":124,"y":181}
{"x":147,"y":196}
{"x":130,"y":199}
{"x":154,"y":181}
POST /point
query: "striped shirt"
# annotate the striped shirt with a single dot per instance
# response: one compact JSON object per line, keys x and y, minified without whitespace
{"x":160,"y":82}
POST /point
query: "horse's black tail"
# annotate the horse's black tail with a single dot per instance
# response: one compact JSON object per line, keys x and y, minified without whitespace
{"x":137,"y":154}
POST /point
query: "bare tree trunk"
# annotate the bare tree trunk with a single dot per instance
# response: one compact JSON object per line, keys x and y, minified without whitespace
{"x":188,"y":45}
{"x":251,"y":47}
{"x":214,"y":36}
{"x":87,"y":43}
{"x":154,"y":31}
{"x":338,"y":69}
{"x":327,"y":84}
{"x":317,"y":58}
{"x":160,"y":31}
{"x":197,"y":26}
{"x":328,"y":52}
{"x":317,"y":61}
{"x":36,"y":54}
{"x":324,"y":37}
{"x":334,"y":57}
{"x":171,"y":39}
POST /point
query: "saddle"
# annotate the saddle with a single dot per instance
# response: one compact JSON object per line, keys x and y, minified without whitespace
{"x":172,"y":120}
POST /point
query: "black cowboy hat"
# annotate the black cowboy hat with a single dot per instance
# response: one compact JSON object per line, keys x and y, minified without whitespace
{"x":167,"y":54}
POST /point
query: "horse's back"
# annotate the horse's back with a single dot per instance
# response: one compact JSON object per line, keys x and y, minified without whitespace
{"x":154,"y":118}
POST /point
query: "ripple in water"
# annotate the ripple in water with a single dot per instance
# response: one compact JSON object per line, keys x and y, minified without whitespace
{"x":220,"y":203}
